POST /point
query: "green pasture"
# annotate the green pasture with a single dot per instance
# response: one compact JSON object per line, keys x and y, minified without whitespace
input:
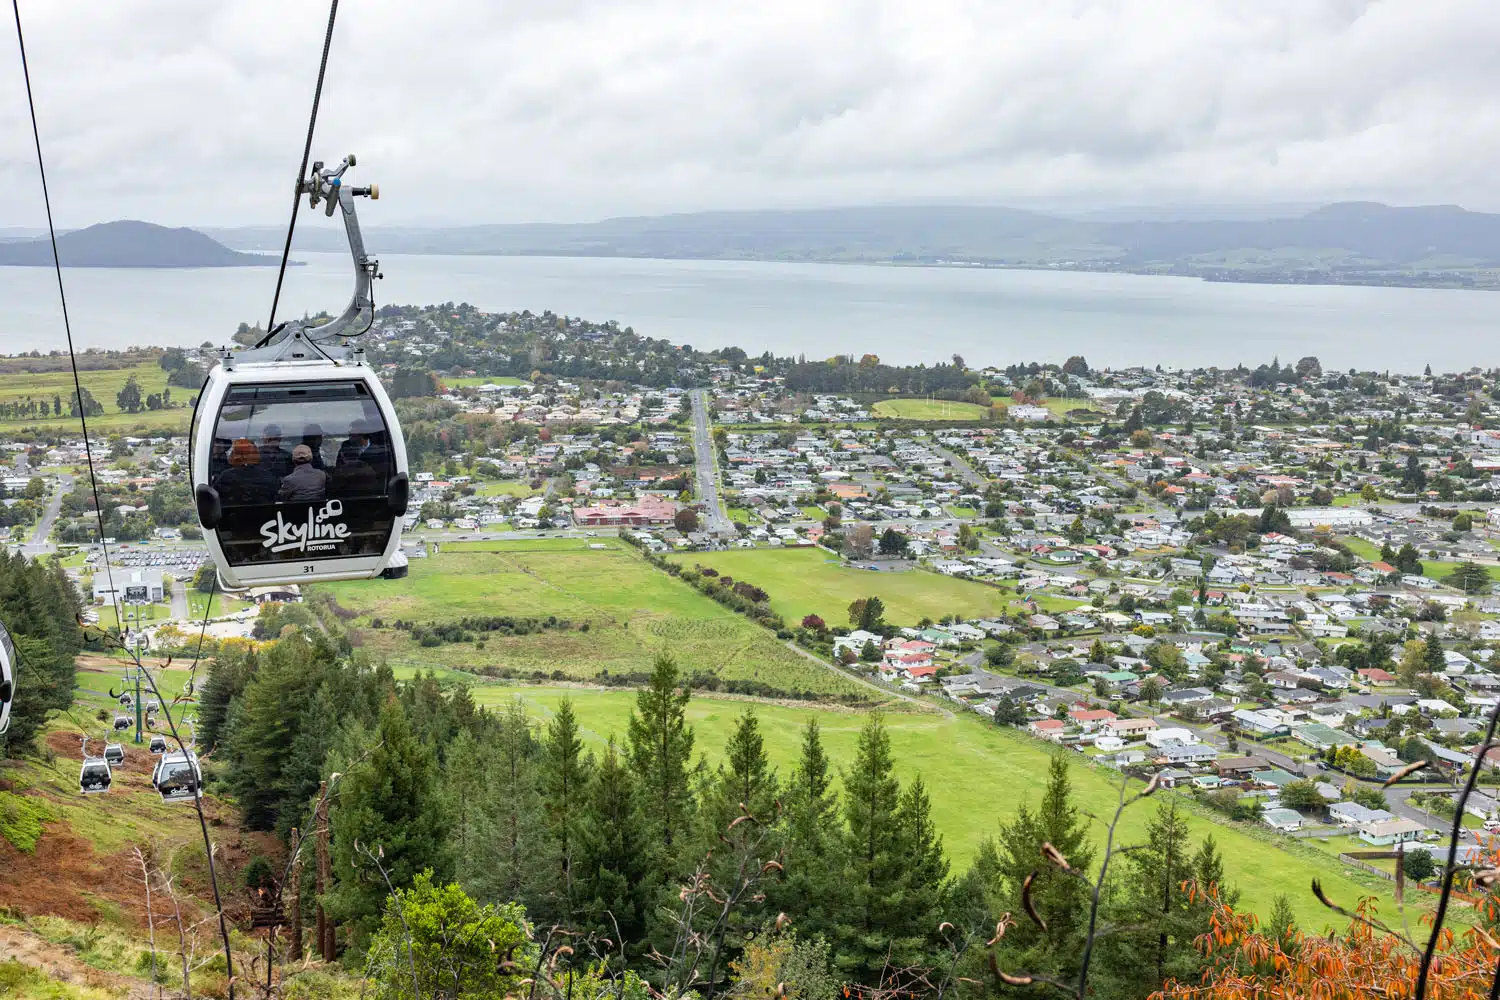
{"x":804,"y":581}
{"x":633,"y":611}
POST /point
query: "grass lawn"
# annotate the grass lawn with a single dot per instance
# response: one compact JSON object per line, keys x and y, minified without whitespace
{"x":470,"y":381}
{"x":977,"y":775}
{"x":955,"y":511}
{"x":633,"y":611}
{"x":928,"y":409}
{"x":1433,"y":569}
{"x":810,"y":581}
{"x":742,"y":515}
{"x":814,"y":513}
{"x":148,"y":613}
{"x":505,"y":488}
{"x":222,"y":605}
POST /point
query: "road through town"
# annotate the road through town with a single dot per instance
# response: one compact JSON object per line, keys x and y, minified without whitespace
{"x":715,"y":520}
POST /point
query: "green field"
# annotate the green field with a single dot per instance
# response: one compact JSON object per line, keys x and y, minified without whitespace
{"x":633,"y":610}
{"x":977,"y":775}
{"x":928,"y":409}
{"x":104,"y":385}
{"x":810,"y":581}
{"x":470,"y":381}
{"x":1432,"y":569}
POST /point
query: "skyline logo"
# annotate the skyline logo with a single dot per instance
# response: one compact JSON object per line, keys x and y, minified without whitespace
{"x":319,"y":533}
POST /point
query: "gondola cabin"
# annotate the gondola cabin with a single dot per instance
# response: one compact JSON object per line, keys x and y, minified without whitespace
{"x":94,"y":777}
{"x":7,"y":678}
{"x":158,"y":743}
{"x":299,"y":472}
{"x":122,"y":721}
{"x":177,"y":776}
{"x":114,"y":754}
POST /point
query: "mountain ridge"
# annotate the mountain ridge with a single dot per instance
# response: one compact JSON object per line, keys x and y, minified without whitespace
{"x":129,"y":243}
{"x":1360,"y":235}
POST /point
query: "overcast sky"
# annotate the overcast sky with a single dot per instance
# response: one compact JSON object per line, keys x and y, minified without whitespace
{"x":186,"y":112}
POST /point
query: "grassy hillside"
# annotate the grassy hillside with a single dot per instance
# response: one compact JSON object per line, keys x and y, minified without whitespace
{"x":104,"y":384}
{"x":803,"y":581}
{"x":633,"y":611}
{"x":978,"y":775}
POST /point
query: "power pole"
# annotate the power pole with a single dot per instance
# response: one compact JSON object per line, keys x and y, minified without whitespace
{"x":325,"y":874}
{"x":137,"y":705}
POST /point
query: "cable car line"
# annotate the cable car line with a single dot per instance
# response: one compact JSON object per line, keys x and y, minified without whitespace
{"x":393,"y":492}
{"x":312,"y":122}
{"x":62,"y":294}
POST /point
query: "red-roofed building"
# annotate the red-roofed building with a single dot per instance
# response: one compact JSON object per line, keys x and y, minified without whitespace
{"x":1375,"y":675}
{"x":645,"y":511}
{"x":1091,"y":718}
{"x":1047,"y":729}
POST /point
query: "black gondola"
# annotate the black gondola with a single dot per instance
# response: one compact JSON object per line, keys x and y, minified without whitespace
{"x":94,"y":777}
{"x":177,"y":776}
{"x":114,"y":754}
{"x":122,"y":721}
{"x":158,"y":743}
{"x":298,"y":463}
{"x":7,"y":678}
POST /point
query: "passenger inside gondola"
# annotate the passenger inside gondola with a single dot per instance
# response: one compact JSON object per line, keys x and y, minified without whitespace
{"x":312,"y":437}
{"x":247,"y":480}
{"x":306,"y":483}
{"x":273,"y":458}
{"x":353,"y":475}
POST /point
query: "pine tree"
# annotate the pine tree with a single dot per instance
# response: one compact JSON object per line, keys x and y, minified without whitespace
{"x":1163,"y":923}
{"x":814,"y":857}
{"x":565,"y":773}
{"x":387,"y":801}
{"x":267,"y":720}
{"x":1062,"y":900}
{"x":466,"y":796}
{"x":926,"y":876}
{"x":515,"y":809}
{"x":611,"y":852}
{"x":1208,"y":872}
{"x":875,"y":872}
{"x":1432,"y":655}
{"x":39,"y":607}
{"x":228,"y":674}
{"x":659,"y":749}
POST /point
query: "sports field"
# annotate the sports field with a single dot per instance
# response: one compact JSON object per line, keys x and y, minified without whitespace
{"x":977,"y":775}
{"x":633,"y":611}
{"x":928,"y":409}
{"x":804,"y":581}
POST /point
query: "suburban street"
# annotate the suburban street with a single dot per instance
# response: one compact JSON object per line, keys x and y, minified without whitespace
{"x":715,"y":520}
{"x":38,"y":545}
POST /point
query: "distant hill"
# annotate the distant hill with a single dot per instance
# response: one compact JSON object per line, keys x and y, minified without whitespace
{"x":1346,"y":241}
{"x":129,"y":244}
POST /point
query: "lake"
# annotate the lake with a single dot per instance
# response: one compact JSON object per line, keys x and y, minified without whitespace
{"x":903,"y":314}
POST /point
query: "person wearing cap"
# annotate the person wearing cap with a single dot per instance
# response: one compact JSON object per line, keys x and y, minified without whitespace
{"x":272,"y":457}
{"x":305,"y":483}
{"x":246,"y":481}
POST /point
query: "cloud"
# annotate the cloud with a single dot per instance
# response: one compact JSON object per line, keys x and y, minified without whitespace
{"x":484,"y":111}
